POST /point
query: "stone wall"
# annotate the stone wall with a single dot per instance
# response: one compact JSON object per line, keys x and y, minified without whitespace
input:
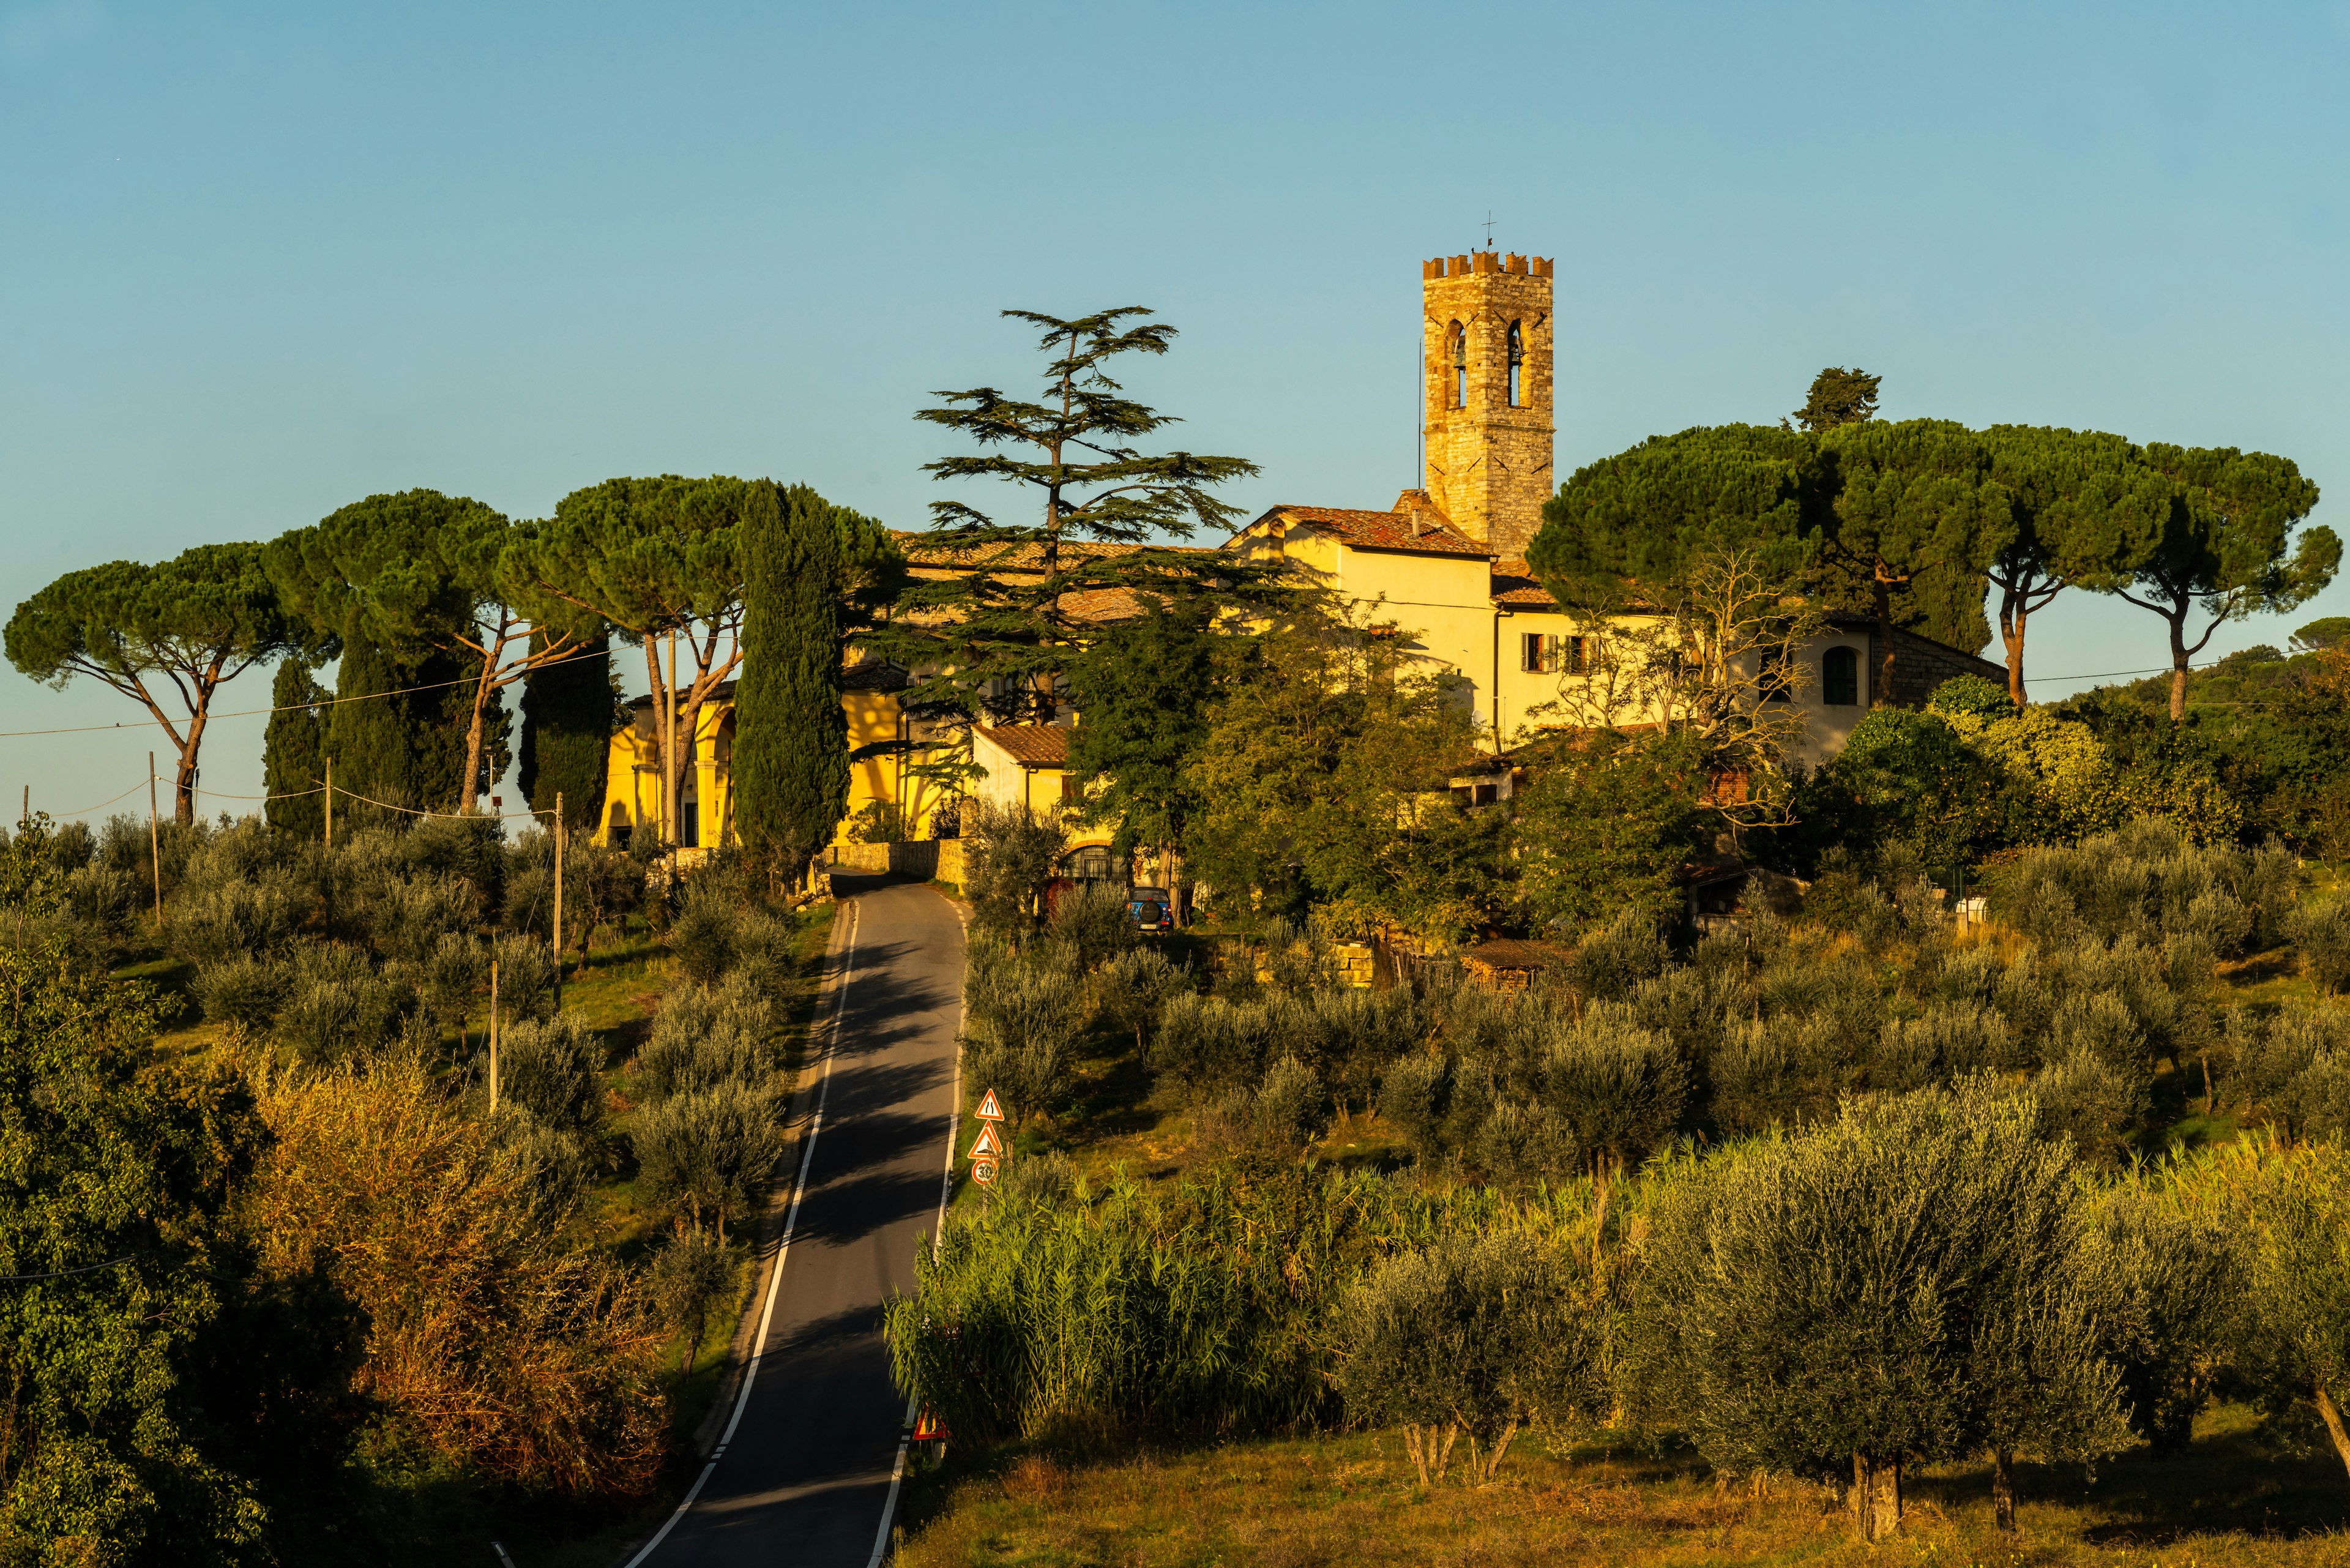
{"x":926,"y":859}
{"x":1920,"y":664}
{"x":1488,"y":463}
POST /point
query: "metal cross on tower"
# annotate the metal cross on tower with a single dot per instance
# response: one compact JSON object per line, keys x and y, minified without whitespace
{"x":1488,"y":228}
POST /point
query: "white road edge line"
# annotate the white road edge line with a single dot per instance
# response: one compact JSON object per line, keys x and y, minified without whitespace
{"x":775,"y":1277}
{"x":937,"y":1241}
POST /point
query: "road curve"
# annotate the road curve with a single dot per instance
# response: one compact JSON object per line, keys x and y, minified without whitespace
{"x":804,"y":1474}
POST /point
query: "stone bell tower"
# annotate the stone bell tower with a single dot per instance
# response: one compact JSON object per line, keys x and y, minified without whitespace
{"x":1486,"y":342}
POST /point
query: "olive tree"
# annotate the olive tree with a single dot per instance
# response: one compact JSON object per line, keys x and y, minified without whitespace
{"x":1483,"y":1335}
{"x":2172,"y":1281}
{"x":1010,"y":852}
{"x":1026,"y":1013}
{"x":709,"y":1150}
{"x":2289,"y":1208}
{"x":1906,"y":1283}
{"x":1618,"y":1088}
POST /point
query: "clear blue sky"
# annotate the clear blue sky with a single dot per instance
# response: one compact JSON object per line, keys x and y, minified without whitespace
{"x":260,"y":260}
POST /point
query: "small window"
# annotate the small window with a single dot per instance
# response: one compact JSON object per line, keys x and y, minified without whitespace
{"x":1776,"y":687}
{"x":1517,"y":366}
{"x":1069,"y":786}
{"x":1088,"y":863}
{"x":1840,"y":678}
{"x":1459,"y":366}
{"x":1538,"y":654}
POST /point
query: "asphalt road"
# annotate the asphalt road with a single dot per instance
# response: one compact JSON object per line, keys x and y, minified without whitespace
{"x":807,"y":1472}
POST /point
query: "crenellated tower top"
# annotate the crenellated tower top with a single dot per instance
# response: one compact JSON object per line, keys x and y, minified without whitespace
{"x":1486,"y":346}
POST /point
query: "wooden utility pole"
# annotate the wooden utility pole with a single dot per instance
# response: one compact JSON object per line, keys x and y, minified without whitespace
{"x":330,"y":803}
{"x":671,"y":817}
{"x":154,"y":841}
{"x":493,"y":1035}
{"x":559,"y":900}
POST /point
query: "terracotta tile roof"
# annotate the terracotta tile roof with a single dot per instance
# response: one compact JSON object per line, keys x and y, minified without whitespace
{"x":1038,"y":746}
{"x":1383,"y":530}
{"x":874,"y":675}
{"x":1098,"y":607}
{"x":722,"y":693}
{"x":1514,"y":584}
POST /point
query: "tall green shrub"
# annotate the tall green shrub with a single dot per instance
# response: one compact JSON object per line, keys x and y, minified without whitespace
{"x":566,"y":732}
{"x":293,"y":751}
{"x":791,"y":741}
{"x":1207,"y":1305}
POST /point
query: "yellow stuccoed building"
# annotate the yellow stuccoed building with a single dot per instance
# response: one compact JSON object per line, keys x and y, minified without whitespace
{"x":1020,"y":764}
{"x":879,"y":750}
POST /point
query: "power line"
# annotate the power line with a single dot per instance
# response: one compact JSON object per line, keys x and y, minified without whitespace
{"x":2109,"y":674}
{"x":301,"y":707}
{"x":101,"y":805}
{"x":290,"y":795}
{"x":321,"y":789}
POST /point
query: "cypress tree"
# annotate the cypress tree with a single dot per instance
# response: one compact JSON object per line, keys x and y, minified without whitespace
{"x":401,"y":750}
{"x":294,"y":750}
{"x":791,"y":741}
{"x":566,"y":731}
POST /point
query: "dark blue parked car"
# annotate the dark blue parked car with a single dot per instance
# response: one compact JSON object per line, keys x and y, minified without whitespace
{"x":1153,"y":912}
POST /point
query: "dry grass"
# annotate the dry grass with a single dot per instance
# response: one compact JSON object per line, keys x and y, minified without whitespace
{"x":1353,"y":1499}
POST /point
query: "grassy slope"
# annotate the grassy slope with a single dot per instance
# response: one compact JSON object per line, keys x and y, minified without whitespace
{"x":2248,"y":1493}
{"x":1354,"y":1498}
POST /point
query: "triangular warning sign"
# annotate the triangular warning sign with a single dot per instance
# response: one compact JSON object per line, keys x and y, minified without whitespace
{"x":990,"y":1109}
{"x":988,"y":1146}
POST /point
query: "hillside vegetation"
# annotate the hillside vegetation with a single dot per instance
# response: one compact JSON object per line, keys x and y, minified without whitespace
{"x":451,"y":1320}
{"x":1849,"y":1221}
